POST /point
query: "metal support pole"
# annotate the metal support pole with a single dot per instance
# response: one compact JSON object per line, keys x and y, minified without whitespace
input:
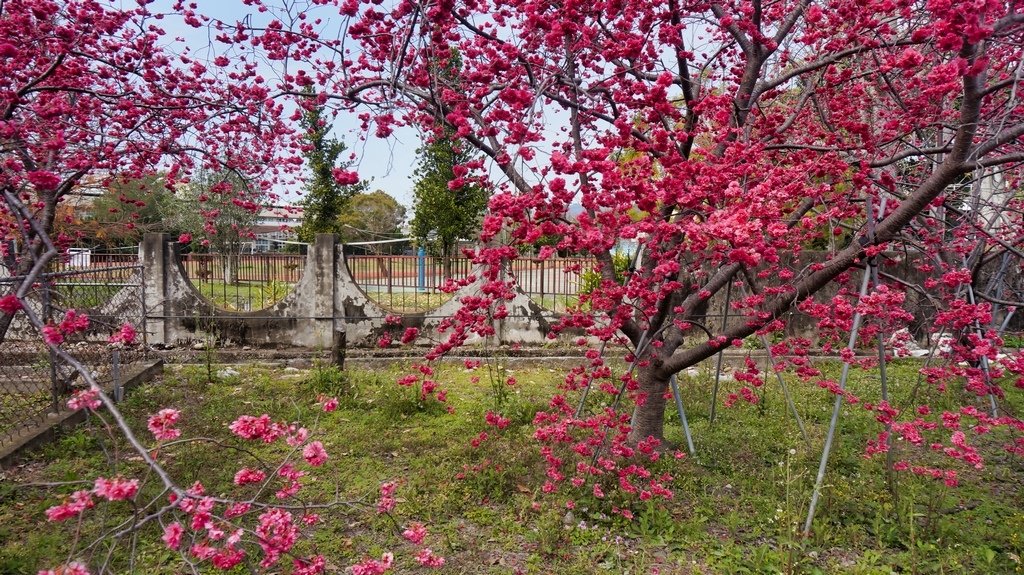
{"x":421,"y":265}
{"x":682,"y":414}
{"x":838,"y":403}
{"x":115,"y":375}
{"x":985,"y":368}
{"x":586,"y":390}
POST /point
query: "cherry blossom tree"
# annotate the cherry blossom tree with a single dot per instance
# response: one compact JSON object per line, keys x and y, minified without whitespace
{"x":89,"y":92}
{"x":726,"y":138}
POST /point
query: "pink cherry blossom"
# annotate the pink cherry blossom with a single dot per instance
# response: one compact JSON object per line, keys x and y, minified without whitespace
{"x":427,"y":558}
{"x":85,"y":399}
{"x":161,"y":425}
{"x":297,"y":436}
{"x":52,"y":335}
{"x":312,"y":566}
{"x":374,"y":566}
{"x":172,"y":535}
{"x":73,"y":568}
{"x":73,"y":506}
{"x":329,"y":403}
{"x":125,"y":336}
{"x":261,"y":428}
{"x":246,"y":476}
{"x":276,"y":534}
{"x":43,"y":180}
{"x":409,"y":335}
{"x":315,"y":454}
{"x":10,"y":304}
{"x":387,"y":497}
{"x":415,"y":533}
{"x":116,"y":489}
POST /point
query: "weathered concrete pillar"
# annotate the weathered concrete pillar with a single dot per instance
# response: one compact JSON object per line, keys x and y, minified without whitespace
{"x":153,"y":253}
{"x":323,"y":259}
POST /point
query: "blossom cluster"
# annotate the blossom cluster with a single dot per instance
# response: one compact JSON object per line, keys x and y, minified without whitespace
{"x":161,"y":424}
{"x":72,"y":323}
{"x":114,"y":489}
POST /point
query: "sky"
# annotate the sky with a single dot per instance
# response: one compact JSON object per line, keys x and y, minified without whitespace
{"x":387,"y":164}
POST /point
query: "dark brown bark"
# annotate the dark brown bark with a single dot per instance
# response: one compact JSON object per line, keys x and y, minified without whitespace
{"x":649,"y":418}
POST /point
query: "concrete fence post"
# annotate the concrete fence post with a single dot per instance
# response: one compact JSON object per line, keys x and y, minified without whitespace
{"x":153,"y":254}
{"x":324,"y":260}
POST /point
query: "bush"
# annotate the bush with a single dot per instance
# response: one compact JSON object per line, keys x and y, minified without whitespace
{"x":591,"y":279}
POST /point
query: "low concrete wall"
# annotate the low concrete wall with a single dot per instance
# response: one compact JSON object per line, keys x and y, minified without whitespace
{"x":324,"y":302}
{"x":327,"y":301}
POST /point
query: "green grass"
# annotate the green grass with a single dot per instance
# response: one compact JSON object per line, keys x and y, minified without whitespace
{"x":1015,"y":341}
{"x":244,"y":296}
{"x":84,"y":295}
{"x":557,"y":303}
{"x":409,"y":302}
{"x":736,"y":509}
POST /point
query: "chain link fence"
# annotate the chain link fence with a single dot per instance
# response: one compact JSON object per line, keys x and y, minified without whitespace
{"x":35,"y":383}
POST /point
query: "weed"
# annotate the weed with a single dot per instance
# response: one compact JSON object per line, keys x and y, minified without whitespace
{"x":332,"y":381}
{"x":551,"y":532}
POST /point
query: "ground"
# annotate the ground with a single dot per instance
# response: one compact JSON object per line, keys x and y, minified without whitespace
{"x":737,"y":505}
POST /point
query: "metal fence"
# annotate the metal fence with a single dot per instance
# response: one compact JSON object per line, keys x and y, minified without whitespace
{"x":244,"y":282}
{"x":554,"y":283}
{"x":399,"y":283}
{"x":412,"y":283}
{"x":34,"y":382}
{"x":405,"y":284}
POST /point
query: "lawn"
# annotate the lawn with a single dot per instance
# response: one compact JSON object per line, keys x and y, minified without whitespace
{"x":254,"y":296}
{"x":737,"y":505}
{"x":244,"y":295}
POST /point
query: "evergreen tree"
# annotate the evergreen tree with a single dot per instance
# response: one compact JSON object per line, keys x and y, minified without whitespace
{"x":325,"y":198}
{"x":127,"y":209}
{"x":447,"y":208}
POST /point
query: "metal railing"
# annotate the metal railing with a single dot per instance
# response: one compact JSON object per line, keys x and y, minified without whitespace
{"x":244,"y":282}
{"x":413,"y":283}
{"x":399,"y":283}
{"x":405,"y":284}
{"x":554,"y":283}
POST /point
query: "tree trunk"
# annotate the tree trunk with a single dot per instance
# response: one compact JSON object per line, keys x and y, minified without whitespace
{"x":649,"y":417}
{"x":383,"y":270}
{"x":446,"y":260}
{"x":231,"y":268}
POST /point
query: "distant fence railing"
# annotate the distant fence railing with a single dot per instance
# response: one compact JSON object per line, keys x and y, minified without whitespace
{"x":85,"y":264}
{"x":553,"y":283}
{"x":244,"y":282}
{"x":405,"y":284}
{"x":400,"y":283}
{"x":411,"y":283}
